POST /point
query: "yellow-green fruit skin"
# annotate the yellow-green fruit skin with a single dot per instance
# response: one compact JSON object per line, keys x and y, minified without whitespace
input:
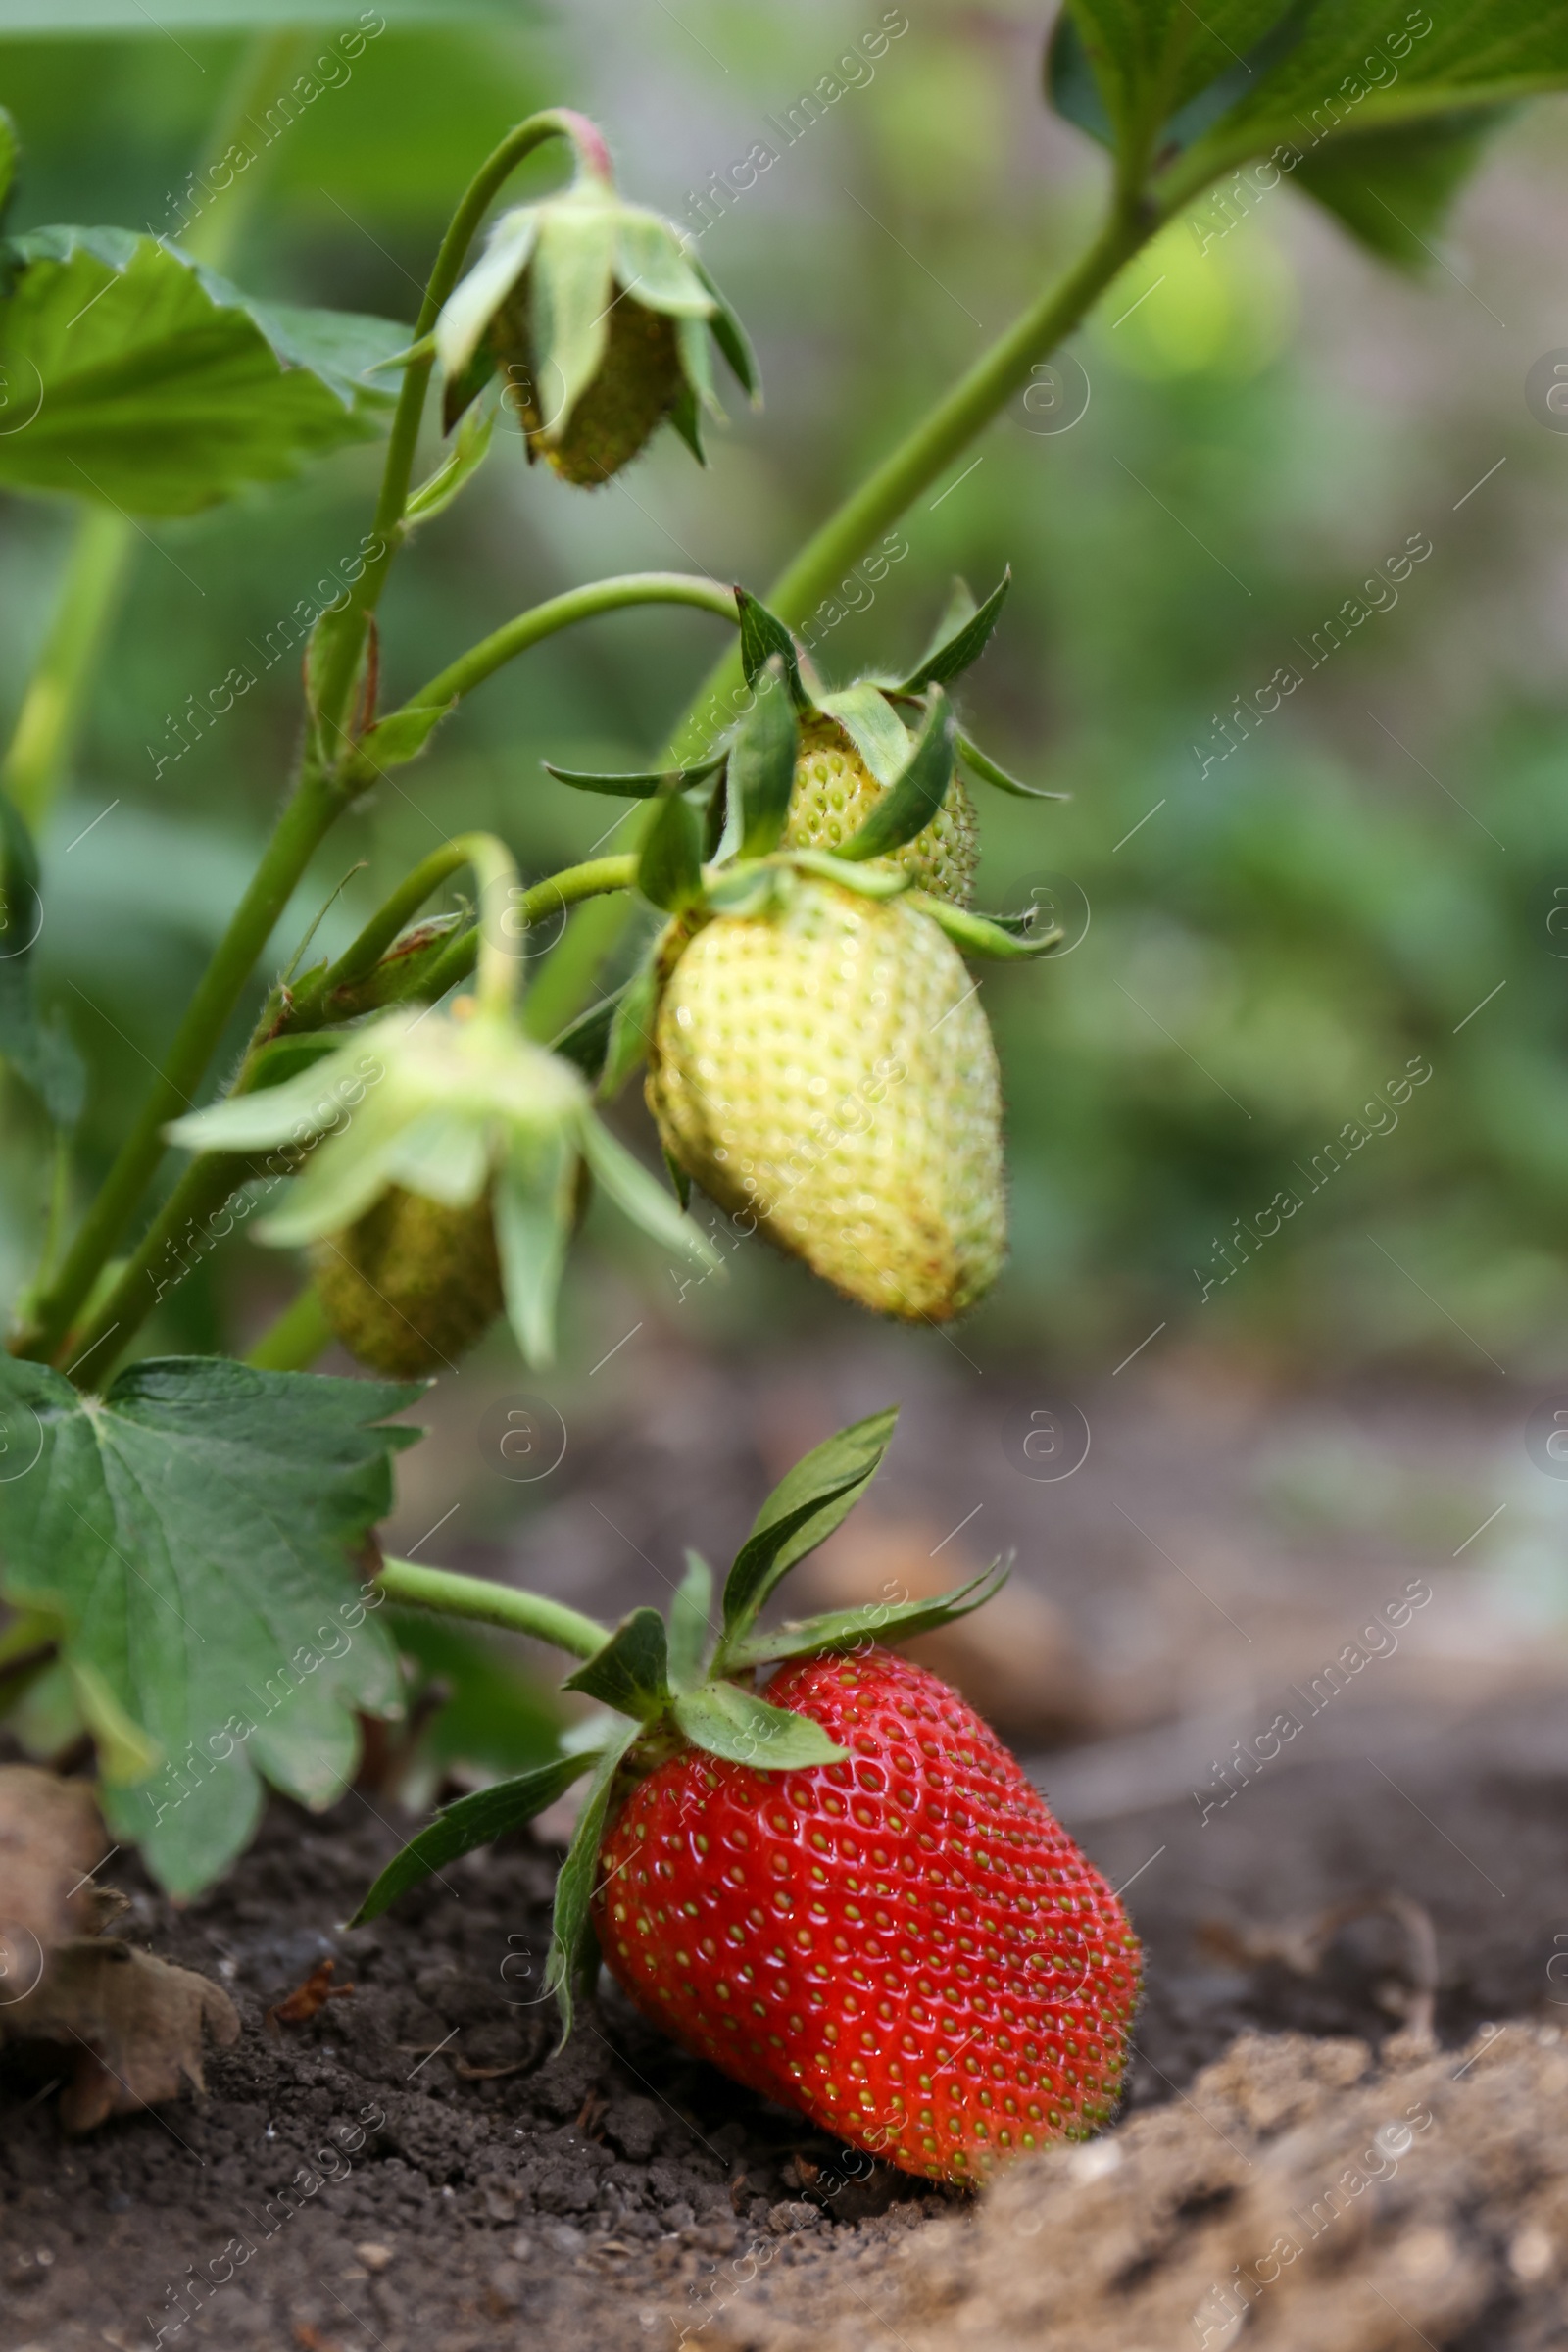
{"x":638,"y":383}
{"x":835,"y":792}
{"x":826,"y":1070}
{"x":412,"y":1285}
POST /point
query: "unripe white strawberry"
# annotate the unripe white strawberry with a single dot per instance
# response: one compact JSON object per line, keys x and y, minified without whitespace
{"x":823,"y":1067}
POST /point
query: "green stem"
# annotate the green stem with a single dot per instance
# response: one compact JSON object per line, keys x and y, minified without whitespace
{"x":336,"y":686}
{"x":54,"y":705}
{"x":296,"y":1338}
{"x":514,"y":637}
{"x":941,"y":434}
{"x":158,"y":1261}
{"x":494,"y":1604}
{"x":299,"y":831}
{"x":590,"y":880}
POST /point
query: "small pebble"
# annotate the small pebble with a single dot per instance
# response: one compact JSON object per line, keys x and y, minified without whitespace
{"x":373,"y":2257}
{"x":1531,"y":2255}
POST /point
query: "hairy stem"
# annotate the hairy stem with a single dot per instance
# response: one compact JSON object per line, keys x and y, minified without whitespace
{"x":514,"y":637}
{"x":593,"y":879}
{"x":494,"y":1604}
{"x":336,"y":686}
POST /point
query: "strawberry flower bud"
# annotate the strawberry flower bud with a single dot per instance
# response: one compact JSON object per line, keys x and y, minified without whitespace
{"x":599,"y":314}
{"x":456,"y":1123}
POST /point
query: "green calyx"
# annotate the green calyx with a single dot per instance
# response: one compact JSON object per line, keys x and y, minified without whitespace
{"x":860,"y":785}
{"x":680,"y":1685}
{"x":596,"y":313}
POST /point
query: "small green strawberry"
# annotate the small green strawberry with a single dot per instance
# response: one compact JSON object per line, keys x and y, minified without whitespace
{"x":824,"y":1068}
{"x":835,"y":792}
{"x":412,"y":1284}
{"x":846,"y":1894}
{"x":598,"y":313}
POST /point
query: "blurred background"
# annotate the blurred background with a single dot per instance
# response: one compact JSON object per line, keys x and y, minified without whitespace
{"x":1284,"y":908}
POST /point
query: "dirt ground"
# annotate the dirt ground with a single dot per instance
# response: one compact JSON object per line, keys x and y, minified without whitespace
{"x":414,"y":2168}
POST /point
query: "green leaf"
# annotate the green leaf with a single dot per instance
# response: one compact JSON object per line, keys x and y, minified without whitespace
{"x":148,"y":383}
{"x":806,"y":1505}
{"x":866,"y":882}
{"x":689,"y":1623}
{"x":642,"y":1198}
{"x":631,"y":1027}
{"x":763,"y":635}
{"x":400,"y":737}
{"x":193,"y":1530}
{"x":468,"y":453}
{"x":1392,"y":188}
{"x":908,"y":807}
{"x":956,"y":651}
{"x":1145,"y":59}
{"x":732,"y":341}
{"x":472,"y":1821}
{"x":980,"y":764}
{"x":534,"y":1214}
{"x":571,"y":288}
{"x":631,"y":1673}
{"x":872,"y":726}
{"x":40,"y":1051}
{"x":881,"y":1621}
{"x":584,"y":1041}
{"x":645,"y":787}
{"x":573,"y":1937}
{"x":8,"y":157}
{"x":744,"y":1730}
{"x":761,"y":764}
{"x":669,"y":873}
{"x":1347,"y":74}
{"x":978,"y":935}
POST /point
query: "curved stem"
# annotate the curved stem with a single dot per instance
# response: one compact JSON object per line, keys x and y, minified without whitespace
{"x":514,"y":637}
{"x":336,"y":685}
{"x":299,"y":831}
{"x":494,"y":1604}
{"x":591,"y":880}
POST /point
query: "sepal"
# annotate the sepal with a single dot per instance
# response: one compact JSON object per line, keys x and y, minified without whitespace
{"x":978,"y":935}
{"x":849,"y":1629}
{"x":805,"y":1506}
{"x":743,"y":1728}
{"x":908,"y":804}
{"x":471,"y":1822}
{"x":631,"y":1673}
{"x":962,"y":637}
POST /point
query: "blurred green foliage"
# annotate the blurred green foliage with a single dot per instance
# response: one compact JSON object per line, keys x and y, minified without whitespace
{"x":1282,"y":920}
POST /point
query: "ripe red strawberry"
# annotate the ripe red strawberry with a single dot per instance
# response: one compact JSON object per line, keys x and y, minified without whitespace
{"x":846,"y":1894}
{"x":907,"y":1945}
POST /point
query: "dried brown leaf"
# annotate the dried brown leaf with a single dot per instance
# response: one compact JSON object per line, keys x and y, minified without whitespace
{"x":135,"y":2024}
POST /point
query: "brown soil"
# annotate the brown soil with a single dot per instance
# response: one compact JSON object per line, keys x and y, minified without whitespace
{"x":413,"y":2168}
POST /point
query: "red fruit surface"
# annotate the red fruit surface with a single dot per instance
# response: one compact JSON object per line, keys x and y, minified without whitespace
{"x":907,"y":1945}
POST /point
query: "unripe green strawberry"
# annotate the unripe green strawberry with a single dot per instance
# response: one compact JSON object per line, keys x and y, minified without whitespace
{"x":906,"y":1945}
{"x":835,"y":792}
{"x":412,"y":1285}
{"x":638,"y":383}
{"x":826,"y":1068}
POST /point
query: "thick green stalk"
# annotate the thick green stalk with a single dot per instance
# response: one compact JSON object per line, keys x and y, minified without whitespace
{"x":301,"y":829}
{"x":941,"y":434}
{"x":493,"y":1604}
{"x":335,"y":690}
{"x":104,"y":540}
{"x":296,"y":1338}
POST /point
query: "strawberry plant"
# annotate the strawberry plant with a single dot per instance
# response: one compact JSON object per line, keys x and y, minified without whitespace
{"x":804,"y":1856}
